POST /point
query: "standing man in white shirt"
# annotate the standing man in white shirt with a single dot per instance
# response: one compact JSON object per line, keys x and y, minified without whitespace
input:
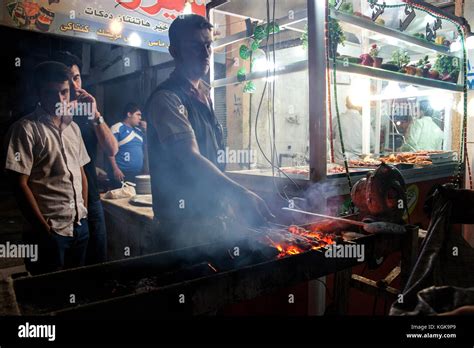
{"x":351,"y":127}
{"x":45,"y":159}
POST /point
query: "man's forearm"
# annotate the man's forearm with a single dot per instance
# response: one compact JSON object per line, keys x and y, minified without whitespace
{"x":106,"y":139}
{"x":113,"y":163}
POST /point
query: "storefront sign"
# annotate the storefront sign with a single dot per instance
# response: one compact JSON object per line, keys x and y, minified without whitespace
{"x":139,"y":23}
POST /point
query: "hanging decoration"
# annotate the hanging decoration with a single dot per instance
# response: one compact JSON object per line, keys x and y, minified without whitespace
{"x":378,"y":10}
{"x":411,"y":14}
{"x":431,"y":31}
{"x":338,"y":4}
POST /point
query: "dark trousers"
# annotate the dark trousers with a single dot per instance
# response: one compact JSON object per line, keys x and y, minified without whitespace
{"x":97,"y":247}
{"x":56,"y":252}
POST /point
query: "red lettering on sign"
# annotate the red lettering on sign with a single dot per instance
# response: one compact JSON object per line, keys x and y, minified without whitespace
{"x":132,"y":5}
{"x":170,"y":5}
{"x":177,"y":5}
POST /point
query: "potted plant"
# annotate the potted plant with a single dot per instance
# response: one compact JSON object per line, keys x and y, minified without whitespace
{"x":366,"y":59}
{"x":374,"y":53}
{"x":401,"y":58}
{"x":433,"y":74}
{"x":336,"y":37}
{"x":423,"y":67}
{"x":448,"y":67}
{"x":420,"y":36}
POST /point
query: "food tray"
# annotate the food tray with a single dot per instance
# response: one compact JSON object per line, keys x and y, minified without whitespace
{"x":142,"y":200}
{"x":444,"y":154}
{"x":442,"y":158}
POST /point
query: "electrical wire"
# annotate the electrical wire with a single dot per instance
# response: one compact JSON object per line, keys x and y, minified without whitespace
{"x":272,"y":139}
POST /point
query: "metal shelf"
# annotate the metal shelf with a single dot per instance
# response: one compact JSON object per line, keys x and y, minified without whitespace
{"x":389,"y":32}
{"x":387,"y":75}
{"x":287,"y":69}
{"x":350,"y":19}
{"x":351,"y":69}
{"x":298,"y":16}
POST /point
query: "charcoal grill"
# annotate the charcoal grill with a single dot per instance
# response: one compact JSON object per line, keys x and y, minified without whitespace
{"x":208,"y":276}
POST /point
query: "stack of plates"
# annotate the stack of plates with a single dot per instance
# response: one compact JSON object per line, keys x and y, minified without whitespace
{"x":143,"y":184}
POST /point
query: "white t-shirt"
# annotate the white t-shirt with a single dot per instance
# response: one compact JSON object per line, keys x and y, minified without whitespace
{"x":424,"y":134}
{"x":351,"y":126}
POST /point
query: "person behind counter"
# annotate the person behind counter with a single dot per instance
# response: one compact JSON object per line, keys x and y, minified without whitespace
{"x":94,"y":132}
{"x":191,"y":194}
{"x":130,"y":134}
{"x":351,"y":129}
{"x":45,"y":158}
{"x":423,"y":133}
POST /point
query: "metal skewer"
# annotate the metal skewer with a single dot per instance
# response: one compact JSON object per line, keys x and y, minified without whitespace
{"x":352,"y":222}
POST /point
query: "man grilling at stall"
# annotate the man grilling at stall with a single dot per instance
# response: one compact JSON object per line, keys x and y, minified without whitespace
{"x":193,"y":200}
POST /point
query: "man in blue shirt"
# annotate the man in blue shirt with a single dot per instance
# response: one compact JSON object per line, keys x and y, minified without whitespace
{"x":130,"y":134}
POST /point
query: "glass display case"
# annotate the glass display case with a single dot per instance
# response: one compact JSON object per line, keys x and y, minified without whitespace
{"x":311,"y":90}
{"x":261,"y":87}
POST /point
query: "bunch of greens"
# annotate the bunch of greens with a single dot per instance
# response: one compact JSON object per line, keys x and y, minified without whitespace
{"x":400,"y":57}
{"x":336,"y":34}
{"x":447,"y":65}
{"x":420,"y":36}
{"x":346,"y":7}
{"x":423,"y":63}
{"x":260,"y":33}
{"x":304,"y":38}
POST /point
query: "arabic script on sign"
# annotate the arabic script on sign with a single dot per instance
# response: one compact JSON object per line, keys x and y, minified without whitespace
{"x":198,"y":6}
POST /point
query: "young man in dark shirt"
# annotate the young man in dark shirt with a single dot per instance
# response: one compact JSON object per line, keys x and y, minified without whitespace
{"x":191,"y":194}
{"x":94,"y":132}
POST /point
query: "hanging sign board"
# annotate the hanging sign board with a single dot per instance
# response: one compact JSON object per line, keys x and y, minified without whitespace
{"x":139,"y":23}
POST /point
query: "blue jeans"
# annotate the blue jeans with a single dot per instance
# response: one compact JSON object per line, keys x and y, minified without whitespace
{"x":56,"y":252}
{"x":97,"y":248}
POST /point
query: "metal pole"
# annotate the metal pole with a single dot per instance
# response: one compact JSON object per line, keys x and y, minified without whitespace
{"x":317,"y":89}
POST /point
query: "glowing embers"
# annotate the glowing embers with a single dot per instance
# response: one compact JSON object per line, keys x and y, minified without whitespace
{"x":296,"y":240}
